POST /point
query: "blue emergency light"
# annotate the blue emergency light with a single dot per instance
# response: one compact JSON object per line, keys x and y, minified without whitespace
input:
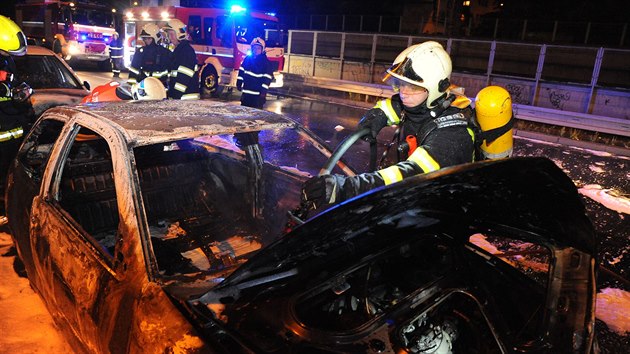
{"x":83,"y":37}
{"x":235,"y":9}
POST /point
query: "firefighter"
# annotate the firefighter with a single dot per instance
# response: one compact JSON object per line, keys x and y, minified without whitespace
{"x":183,"y":72}
{"x":116,"y":54}
{"x":148,"y":89}
{"x":150,"y":60}
{"x":432,"y":118}
{"x":16,"y":110}
{"x":254,"y":76}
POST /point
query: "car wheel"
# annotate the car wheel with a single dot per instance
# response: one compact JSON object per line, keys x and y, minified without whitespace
{"x":210,"y":83}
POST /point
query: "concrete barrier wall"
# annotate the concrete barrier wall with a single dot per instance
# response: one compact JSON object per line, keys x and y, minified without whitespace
{"x":563,"y":97}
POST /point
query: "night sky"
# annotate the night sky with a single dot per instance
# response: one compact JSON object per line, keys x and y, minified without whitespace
{"x":562,"y":10}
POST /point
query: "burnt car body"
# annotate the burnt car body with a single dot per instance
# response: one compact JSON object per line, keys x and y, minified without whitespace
{"x":157,"y":227}
{"x":53,"y":82}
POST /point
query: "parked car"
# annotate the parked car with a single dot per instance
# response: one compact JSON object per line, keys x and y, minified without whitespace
{"x":52,"y":80}
{"x":159,"y":226}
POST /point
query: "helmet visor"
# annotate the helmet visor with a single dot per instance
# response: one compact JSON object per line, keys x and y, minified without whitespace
{"x":400,"y":85}
{"x":403,"y":71}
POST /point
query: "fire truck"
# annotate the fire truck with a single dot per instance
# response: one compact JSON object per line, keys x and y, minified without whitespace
{"x":221,"y":38}
{"x":79,"y":30}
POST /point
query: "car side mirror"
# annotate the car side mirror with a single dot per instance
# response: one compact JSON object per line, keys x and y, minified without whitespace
{"x":87,"y":85}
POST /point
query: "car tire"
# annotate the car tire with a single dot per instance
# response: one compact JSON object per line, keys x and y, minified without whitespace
{"x":210,"y":83}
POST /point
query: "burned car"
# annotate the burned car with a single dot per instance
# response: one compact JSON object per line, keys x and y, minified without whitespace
{"x":160,"y":227}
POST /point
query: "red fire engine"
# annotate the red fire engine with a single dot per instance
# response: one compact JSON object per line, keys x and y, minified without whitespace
{"x":221,"y":38}
{"x":78,"y":30}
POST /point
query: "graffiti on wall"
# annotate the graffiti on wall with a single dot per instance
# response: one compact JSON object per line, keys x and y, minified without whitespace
{"x":557,"y":98}
{"x":357,"y":72}
{"x":327,"y":68}
{"x":300,"y":66}
{"x":518,"y":93}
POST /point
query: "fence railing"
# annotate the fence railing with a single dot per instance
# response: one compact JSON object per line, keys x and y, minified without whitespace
{"x":526,"y":30}
{"x":591,"y":78}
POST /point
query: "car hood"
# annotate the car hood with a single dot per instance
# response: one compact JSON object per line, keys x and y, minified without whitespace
{"x":529,"y":194}
{"x":43,"y":99}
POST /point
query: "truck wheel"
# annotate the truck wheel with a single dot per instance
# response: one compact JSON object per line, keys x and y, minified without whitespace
{"x":210,"y":83}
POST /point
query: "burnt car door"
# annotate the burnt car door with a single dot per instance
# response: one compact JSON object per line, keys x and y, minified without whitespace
{"x":25,"y":178}
{"x":77,"y":237}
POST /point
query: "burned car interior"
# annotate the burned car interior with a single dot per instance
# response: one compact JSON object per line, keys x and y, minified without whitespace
{"x":198,"y":202}
{"x":422,"y":292}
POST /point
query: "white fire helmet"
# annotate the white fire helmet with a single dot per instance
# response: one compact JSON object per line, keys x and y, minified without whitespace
{"x":178,"y":26}
{"x":150,"y":30}
{"x":148,"y":89}
{"x":426,"y":65}
{"x":258,"y":41}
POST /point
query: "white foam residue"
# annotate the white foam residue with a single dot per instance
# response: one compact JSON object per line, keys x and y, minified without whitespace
{"x":606,"y":197}
{"x":296,"y":170}
{"x":619,"y":257}
{"x":613,"y":307}
{"x":596,"y":169}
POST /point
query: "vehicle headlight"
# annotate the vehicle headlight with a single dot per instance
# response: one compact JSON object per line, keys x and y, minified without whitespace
{"x":73,"y":49}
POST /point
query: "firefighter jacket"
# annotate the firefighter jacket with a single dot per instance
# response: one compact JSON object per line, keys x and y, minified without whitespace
{"x":183,"y":73}
{"x":116,"y":49}
{"x":150,"y":60}
{"x":254,"y":78}
{"x":442,"y":141}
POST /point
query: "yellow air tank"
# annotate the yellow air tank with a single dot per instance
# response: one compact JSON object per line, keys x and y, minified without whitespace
{"x":493,"y":108}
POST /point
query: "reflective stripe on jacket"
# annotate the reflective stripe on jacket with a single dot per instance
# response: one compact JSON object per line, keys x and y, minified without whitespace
{"x":443,"y":147}
{"x":183,"y":73}
{"x":11,"y":134}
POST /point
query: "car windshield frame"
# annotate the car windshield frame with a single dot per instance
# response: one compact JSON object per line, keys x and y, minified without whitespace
{"x":43,"y":72}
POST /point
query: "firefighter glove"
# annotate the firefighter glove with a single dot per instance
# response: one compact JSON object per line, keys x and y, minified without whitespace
{"x":320,"y":191}
{"x":374,"y":121}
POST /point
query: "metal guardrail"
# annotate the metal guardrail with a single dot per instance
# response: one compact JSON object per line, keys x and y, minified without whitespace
{"x":589,"y":73}
{"x":492,"y":28}
{"x":587,"y":122}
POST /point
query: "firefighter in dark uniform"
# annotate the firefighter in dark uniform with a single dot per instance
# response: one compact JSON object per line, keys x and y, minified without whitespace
{"x":254,"y":76}
{"x":116,"y":54}
{"x":16,"y":110}
{"x":183,"y":82}
{"x":433,"y":119}
{"x":150,"y":60}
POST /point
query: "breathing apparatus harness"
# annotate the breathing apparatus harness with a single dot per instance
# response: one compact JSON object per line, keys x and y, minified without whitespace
{"x":408,"y":145}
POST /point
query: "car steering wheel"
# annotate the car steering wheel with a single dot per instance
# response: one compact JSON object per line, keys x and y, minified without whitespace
{"x":343,"y":147}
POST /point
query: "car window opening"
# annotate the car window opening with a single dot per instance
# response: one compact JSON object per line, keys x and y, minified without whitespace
{"x":87,"y":192}
{"x":198,"y":207}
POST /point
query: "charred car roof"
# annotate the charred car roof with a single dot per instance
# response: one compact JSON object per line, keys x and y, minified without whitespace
{"x":148,"y":122}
